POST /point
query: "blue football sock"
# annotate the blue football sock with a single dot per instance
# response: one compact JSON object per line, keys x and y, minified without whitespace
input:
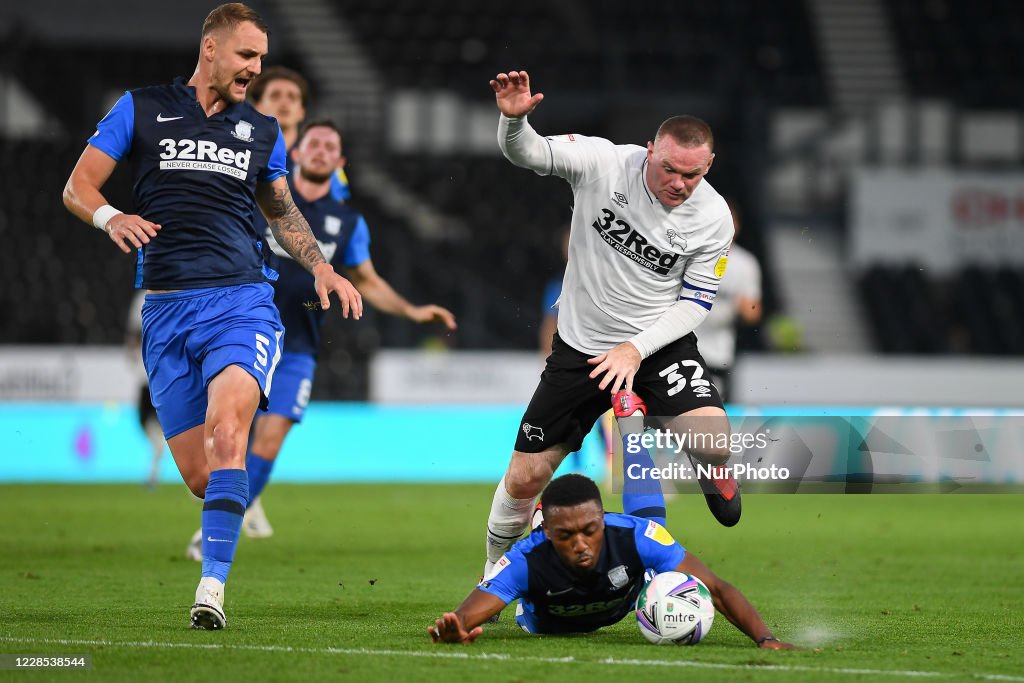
{"x":259,"y":469}
{"x":641,"y":496}
{"x":227,"y":494}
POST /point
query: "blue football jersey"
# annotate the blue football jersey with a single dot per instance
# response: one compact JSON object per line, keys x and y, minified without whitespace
{"x":344,"y":239}
{"x":196,"y":176}
{"x":552,"y":290}
{"x":561,"y":601}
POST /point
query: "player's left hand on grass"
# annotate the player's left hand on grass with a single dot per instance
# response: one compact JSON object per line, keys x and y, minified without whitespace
{"x":618,"y":365}
{"x":449,"y":629}
{"x":777,"y":645}
{"x":327,"y":281}
{"x":431,"y":313}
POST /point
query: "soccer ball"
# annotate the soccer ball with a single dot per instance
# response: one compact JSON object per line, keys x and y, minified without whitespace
{"x":675,"y":608}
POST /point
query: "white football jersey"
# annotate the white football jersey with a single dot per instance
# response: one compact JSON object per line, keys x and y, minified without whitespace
{"x":716,"y":336}
{"x":630,"y":257}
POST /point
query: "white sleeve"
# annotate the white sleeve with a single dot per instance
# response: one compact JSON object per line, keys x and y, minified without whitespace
{"x":696,"y":296}
{"x":578,"y":159}
{"x":678,"y":320}
{"x":521,"y":145}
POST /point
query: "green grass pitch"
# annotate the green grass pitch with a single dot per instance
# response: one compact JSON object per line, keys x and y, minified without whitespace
{"x":880,"y":587}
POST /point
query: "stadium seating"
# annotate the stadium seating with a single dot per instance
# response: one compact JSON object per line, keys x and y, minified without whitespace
{"x":965,"y":52}
{"x":977,"y":310}
{"x":63,"y":281}
{"x":647,"y":46}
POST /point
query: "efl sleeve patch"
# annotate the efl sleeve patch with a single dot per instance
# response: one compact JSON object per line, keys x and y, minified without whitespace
{"x":508,"y":579}
{"x":723,"y":261}
{"x":498,"y":567}
{"x":659,"y":534}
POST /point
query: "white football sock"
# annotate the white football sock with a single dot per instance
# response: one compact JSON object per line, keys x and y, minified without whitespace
{"x":508,"y":520}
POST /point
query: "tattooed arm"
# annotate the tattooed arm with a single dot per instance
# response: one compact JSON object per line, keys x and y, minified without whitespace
{"x":292,"y":232}
{"x":289,"y":227}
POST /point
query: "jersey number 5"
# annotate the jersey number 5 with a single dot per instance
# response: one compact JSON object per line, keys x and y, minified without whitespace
{"x":262,"y":353}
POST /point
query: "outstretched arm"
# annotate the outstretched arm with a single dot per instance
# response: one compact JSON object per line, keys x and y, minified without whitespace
{"x":379,"y":293}
{"x":463,"y":625}
{"x":733,"y":604}
{"x":292,"y":232}
{"x":519,"y":142}
{"x":82,"y":197}
{"x":512,"y":94}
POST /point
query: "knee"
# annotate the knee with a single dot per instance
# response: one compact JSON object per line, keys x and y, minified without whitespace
{"x":713,"y":455}
{"x":527,"y":476}
{"x":525,"y":486}
{"x":225,"y":436}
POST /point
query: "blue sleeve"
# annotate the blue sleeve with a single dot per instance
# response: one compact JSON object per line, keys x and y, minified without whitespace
{"x":277,"y":164}
{"x":358,"y":249}
{"x":552,"y":290}
{"x":339,"y":186}
{"x":656,"y":547}
{"x":113,"y":134}
{"x":508,"y":580}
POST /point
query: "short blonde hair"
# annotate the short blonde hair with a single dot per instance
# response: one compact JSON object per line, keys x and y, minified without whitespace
{"x":231,"y":14}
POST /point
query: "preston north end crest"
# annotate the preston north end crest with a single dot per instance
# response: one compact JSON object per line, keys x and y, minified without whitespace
{"x":243,"y":131}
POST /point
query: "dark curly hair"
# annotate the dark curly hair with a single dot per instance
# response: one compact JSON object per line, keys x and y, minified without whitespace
{"x":570,"y":490}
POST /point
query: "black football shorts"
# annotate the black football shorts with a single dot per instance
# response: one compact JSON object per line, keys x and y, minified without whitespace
{"x":566,"y":403}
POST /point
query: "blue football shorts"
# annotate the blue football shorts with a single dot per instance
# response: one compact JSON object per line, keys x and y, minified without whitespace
{"x":293,"y":382}
{"x":525,"y":618}
{"x":190,"y":336}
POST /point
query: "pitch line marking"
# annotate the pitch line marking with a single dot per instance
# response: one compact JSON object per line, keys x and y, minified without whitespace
{"x":489,"y":656}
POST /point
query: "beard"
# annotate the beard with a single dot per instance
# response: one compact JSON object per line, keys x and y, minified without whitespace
{"x":224,"y":92}
{"x":222,"y":83}
{"x":312,"y":177}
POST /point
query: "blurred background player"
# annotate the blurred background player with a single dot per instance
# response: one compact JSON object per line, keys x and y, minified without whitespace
{"x":147,"y":413}
{"x":549,"y":302}
{"x":210,"y":330}
{"x":345,"y":240}
{"x":584,"y":569}
{"x":738,"y":303}
{"x":284,"y":94}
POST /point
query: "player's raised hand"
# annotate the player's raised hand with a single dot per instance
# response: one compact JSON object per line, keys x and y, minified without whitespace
{"x":431,"y":313}
{"x":449,"y":629}
{"x":130,"y":232}
{"x":327,"y":281}
{"x":512,"y":94}
{"x":618,"y":366}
